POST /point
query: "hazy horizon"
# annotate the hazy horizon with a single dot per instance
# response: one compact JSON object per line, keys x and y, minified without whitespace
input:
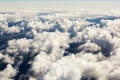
{"x":59,"y":0}
{"x":58,"y":5}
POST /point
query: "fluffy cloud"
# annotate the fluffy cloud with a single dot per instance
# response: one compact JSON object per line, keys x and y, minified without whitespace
{"x":60,"y":45}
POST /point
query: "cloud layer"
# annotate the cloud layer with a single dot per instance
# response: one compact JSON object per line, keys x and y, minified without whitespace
{"x":51,"y":45}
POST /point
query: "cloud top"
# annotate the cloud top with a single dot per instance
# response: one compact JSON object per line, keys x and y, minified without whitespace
{"x":64,"y":45}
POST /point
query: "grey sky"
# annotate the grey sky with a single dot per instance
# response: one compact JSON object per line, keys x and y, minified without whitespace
{"x":58,"y":0}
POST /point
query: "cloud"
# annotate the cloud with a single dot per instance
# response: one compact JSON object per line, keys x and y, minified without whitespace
{"x":7,"y":73}
{"x":51,"y":45}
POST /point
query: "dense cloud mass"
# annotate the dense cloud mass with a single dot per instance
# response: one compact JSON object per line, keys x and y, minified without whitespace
{"x":65,"y":45}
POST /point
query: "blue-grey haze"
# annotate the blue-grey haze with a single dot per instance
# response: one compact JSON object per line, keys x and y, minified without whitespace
{"x":58,"y":0}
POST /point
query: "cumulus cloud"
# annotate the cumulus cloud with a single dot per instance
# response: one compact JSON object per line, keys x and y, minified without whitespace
{"x":60,"y":45}
{"x":7,"y":73}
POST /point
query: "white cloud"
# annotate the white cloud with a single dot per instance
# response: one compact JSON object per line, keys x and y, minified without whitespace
{"x":60,"y":45}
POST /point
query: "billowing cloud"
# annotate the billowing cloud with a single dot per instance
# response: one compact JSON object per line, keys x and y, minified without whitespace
{"x":49,"y":45}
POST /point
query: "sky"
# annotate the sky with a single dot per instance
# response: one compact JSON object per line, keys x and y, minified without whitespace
{"x":58,"y":4}
{"x":58,"y":0}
